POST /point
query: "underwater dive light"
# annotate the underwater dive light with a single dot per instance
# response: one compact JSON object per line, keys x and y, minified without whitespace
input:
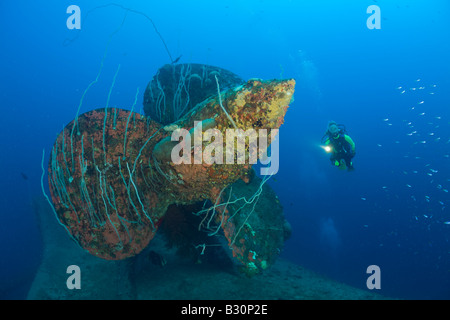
{"x":327,"y":148}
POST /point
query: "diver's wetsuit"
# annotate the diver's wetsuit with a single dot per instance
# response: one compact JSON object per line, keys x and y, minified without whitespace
{"x":343,"y":147}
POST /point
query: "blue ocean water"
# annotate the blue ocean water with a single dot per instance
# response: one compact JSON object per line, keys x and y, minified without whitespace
{"x":389,"y":86}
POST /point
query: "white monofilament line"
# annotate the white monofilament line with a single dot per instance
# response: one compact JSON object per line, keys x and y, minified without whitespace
{"x":220,"y":102}
{"x":51,"y":204}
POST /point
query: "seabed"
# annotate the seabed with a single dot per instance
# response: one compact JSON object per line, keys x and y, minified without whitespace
{"x":179,"y":279}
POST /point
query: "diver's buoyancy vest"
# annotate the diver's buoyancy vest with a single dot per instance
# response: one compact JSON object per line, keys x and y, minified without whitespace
{"x":340,"y":145}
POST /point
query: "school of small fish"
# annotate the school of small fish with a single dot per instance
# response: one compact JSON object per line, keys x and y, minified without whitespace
{"x":422,"y":133}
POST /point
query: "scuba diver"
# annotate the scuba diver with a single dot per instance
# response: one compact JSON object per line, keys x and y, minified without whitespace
{"x":340,"y":145}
